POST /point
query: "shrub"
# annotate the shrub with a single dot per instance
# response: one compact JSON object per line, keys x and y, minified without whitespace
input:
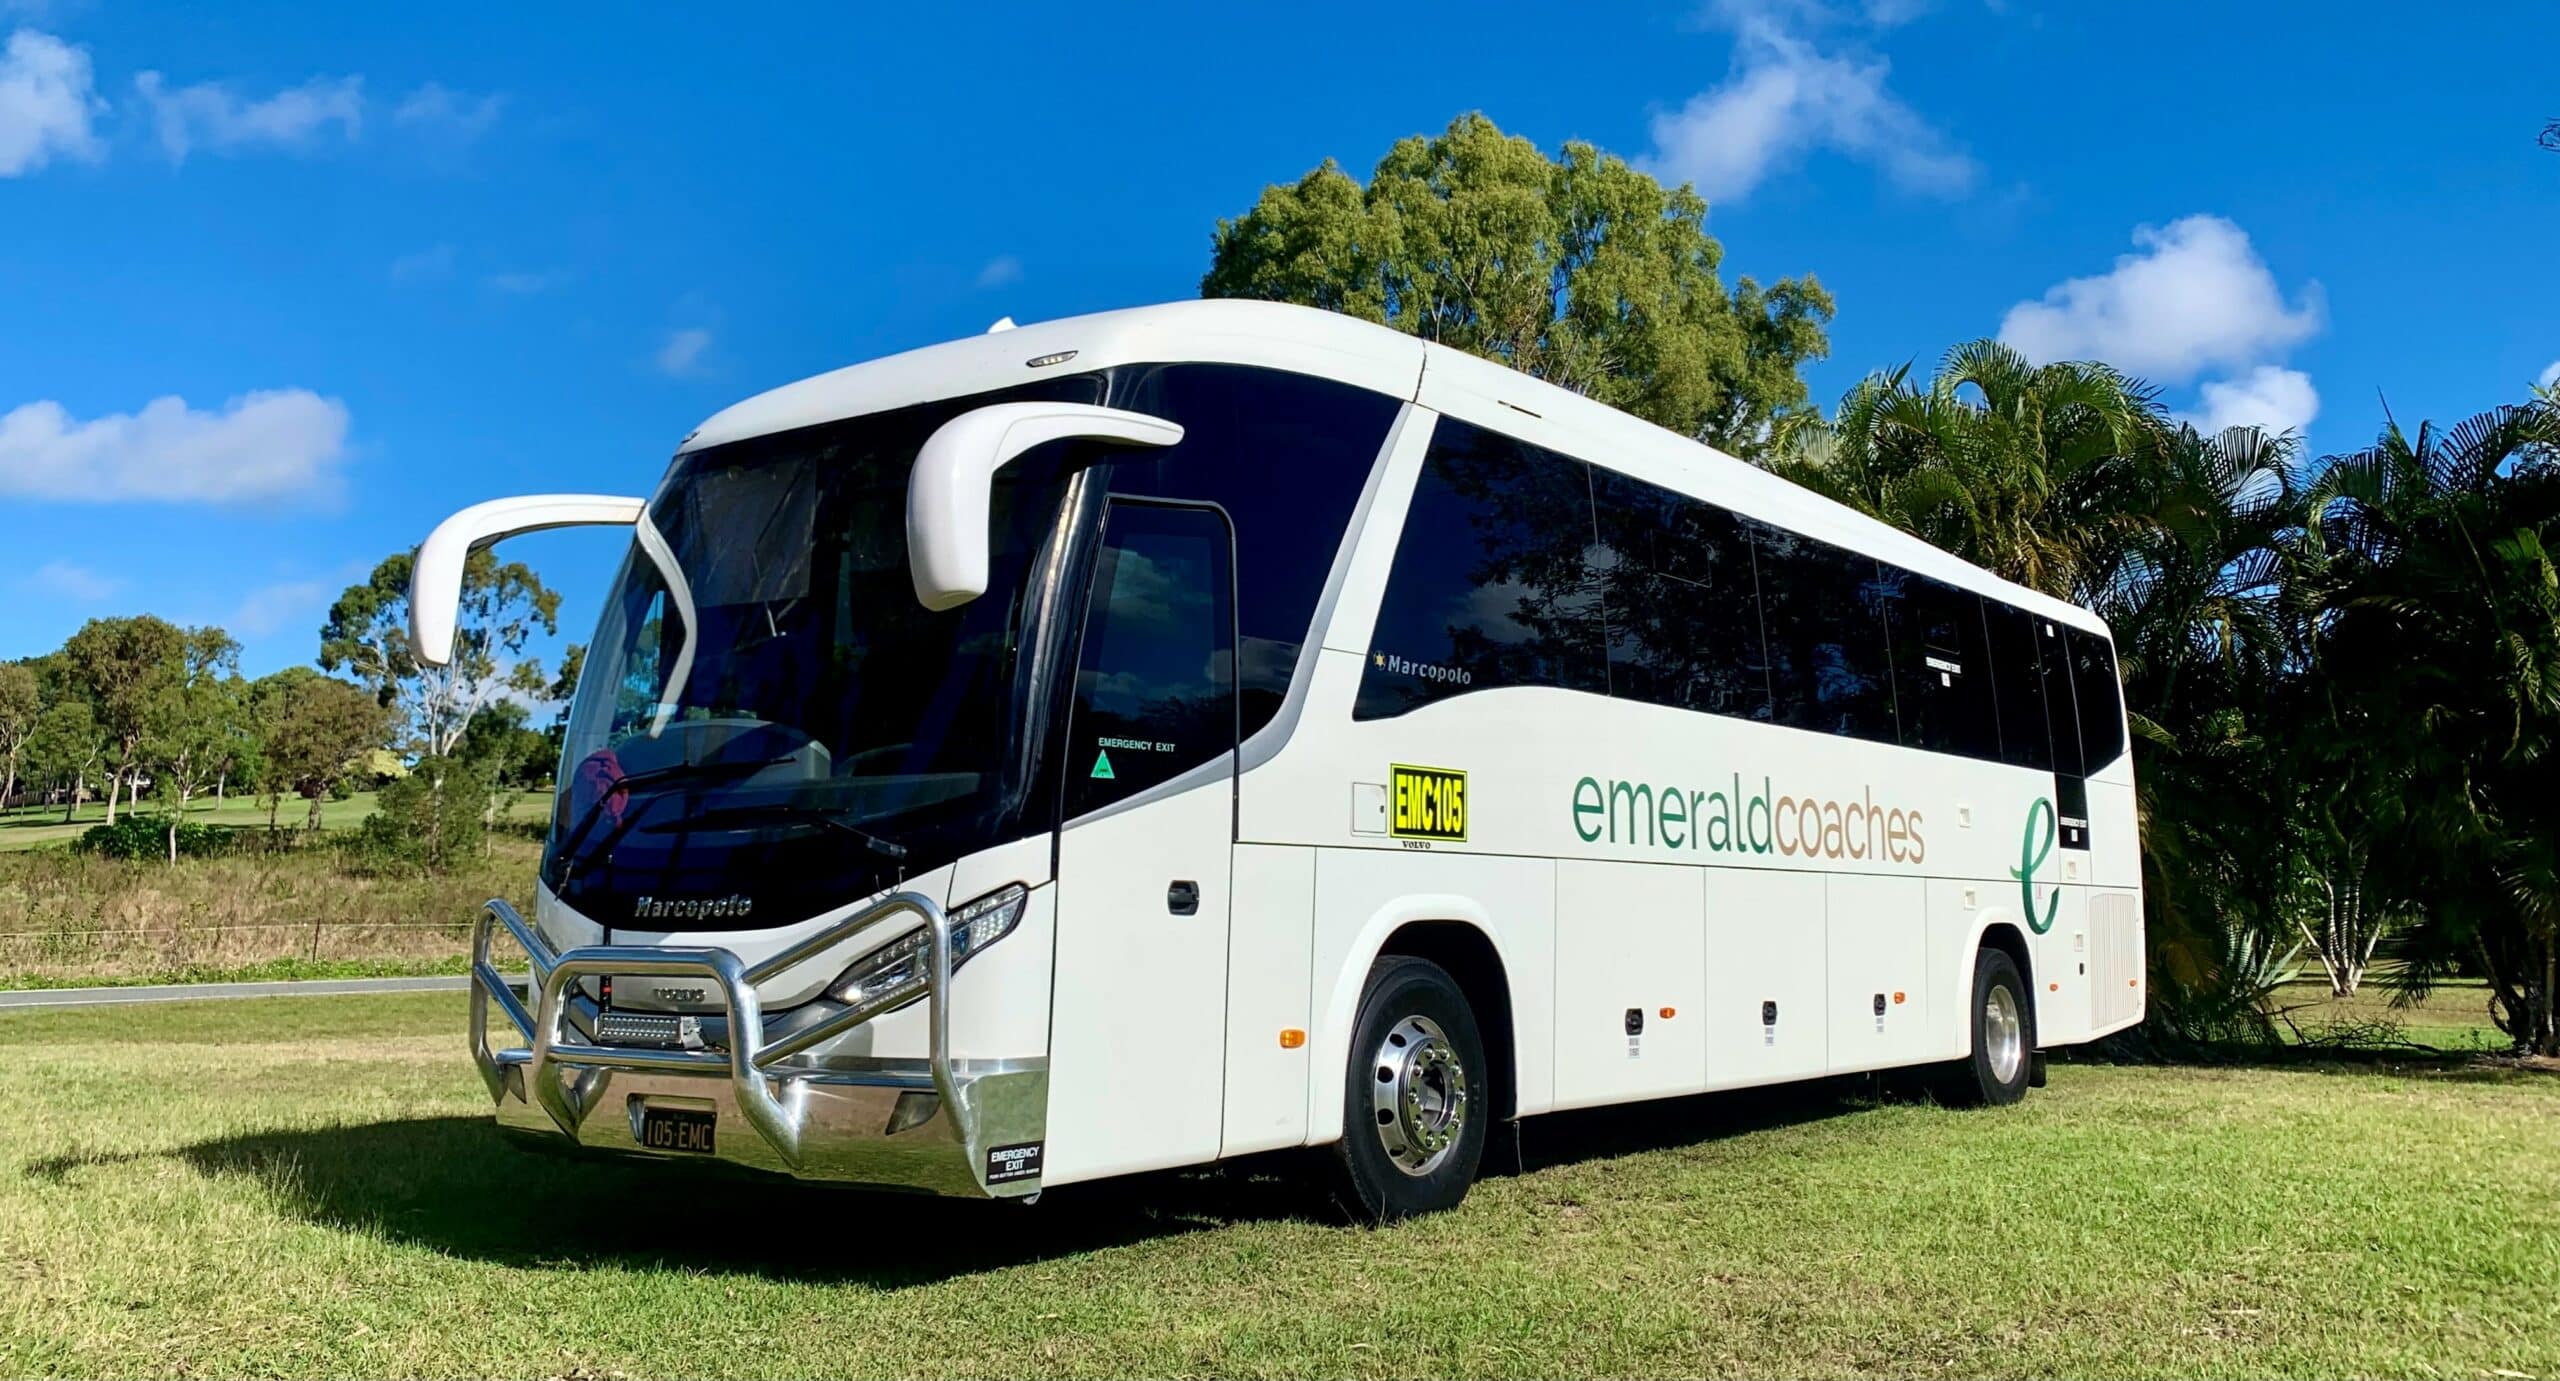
{"x":423,"y":824}
{"x":140,"y":836}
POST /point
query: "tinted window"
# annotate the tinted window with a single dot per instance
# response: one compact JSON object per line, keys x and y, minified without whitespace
{"x":2062,"y":722}
{"x":1682,"y":609}
{"x":2018,"y":675}
{"x":1822,"y":614}
{"x":1286,"y":456}
{"x":1941,"y":668}
{"x":2100,"y":694}
{"x":1490,"y":585}
{"x":1155,"y":678}
{"x":816,"y":694}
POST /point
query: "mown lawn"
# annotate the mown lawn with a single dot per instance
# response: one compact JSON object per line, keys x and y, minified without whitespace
{"x":2454,"y":1017}
{"x":184,"y":1190}
{"x":27,"y":827}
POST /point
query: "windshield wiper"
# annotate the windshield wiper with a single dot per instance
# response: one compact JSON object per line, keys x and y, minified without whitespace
{"x":715,"y":771}
{"x":788,"y":810}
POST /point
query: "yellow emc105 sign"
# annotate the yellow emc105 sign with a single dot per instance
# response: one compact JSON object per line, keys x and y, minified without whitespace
{"x":1430,"y":803}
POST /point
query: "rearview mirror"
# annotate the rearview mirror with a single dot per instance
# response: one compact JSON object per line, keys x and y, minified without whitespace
{"x":948,"y":494}
{"x":435,"y":579}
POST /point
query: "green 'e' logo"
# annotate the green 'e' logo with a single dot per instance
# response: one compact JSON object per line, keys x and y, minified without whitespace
{"x":2033,"y":850}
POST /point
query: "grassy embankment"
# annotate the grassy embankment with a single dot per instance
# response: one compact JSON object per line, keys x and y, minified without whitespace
{"x":312,"y":1187}
{"x":304,"y":912}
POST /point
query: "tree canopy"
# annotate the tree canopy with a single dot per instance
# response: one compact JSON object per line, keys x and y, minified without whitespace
{"x":504,"y":604}
{"x":1577,"y":269}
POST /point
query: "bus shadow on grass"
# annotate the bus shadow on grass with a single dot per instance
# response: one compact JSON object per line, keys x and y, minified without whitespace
{"x":458,"y":1186}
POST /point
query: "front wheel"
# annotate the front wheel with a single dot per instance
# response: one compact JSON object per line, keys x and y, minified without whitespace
{"x":2004,"y":1037}
{"x":1416,"y":1099}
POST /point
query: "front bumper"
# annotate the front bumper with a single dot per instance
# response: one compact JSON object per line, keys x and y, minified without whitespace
{"x":941,"y":1125}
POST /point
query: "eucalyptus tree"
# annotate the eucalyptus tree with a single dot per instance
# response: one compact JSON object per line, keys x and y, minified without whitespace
{"x":21,"y":704}
{"x":194,"y":727}
{"x":504,"y":606}
{"x":317,"y":730}
{"x":125,"y":667}
{"x":1577,"y":269}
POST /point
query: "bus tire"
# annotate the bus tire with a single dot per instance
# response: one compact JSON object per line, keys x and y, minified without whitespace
{"x":1417,"y":1098}
{"x":2002,"y":1023}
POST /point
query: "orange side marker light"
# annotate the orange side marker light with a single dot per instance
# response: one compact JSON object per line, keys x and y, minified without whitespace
{"x":1291,"y":1038}
{"x":1897,"y":999}
{"x":2053,"y":987}
{"x":1669,"y":1012}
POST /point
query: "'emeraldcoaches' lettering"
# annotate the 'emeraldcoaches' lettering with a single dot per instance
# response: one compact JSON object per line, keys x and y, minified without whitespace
{"x":1727,"y":821}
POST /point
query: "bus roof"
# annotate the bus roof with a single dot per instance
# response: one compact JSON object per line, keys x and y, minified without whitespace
{"x":1304,"y":340}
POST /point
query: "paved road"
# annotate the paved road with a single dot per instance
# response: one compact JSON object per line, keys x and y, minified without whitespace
{"x":191,"y":992}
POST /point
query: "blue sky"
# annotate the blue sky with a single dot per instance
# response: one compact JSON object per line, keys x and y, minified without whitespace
{"x":395,"y":260}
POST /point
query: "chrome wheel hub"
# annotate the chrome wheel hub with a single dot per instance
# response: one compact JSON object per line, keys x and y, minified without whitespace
{"x":2004,"y":1035}
{"x":1418,"y":1094}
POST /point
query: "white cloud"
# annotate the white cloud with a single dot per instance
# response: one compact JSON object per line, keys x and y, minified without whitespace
{"x":2270,"y":397}
{"x":47,"y":98}
{"x":435,"y":261}
{"x":682,"y":352}
{"x":2549,"y":377}
{"x":278,"y":444}
{"x":446,"y":113}
{"x":1784,"y":98}
{"x":272,"y":608}
{"x":1000,"y":270}
{"x":209,"y":116}
{"x":2195,"y":296}
{"x":63,"y":580}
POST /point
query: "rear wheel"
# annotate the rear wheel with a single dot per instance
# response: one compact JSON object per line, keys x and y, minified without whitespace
{"x":1416,"y":1099}
{"x":2004,"y":1036}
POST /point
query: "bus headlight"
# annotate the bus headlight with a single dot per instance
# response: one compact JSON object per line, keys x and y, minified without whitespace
{"x":894,"y":974}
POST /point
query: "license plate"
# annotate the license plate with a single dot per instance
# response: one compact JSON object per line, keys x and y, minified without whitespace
{"x":683,"y":1130}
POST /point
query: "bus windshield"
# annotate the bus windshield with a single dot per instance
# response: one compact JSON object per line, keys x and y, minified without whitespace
{"x":811,"y":734}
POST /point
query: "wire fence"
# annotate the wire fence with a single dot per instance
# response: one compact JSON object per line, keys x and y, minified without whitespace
{"x":111,"y":950}
{"x":176,"y":931}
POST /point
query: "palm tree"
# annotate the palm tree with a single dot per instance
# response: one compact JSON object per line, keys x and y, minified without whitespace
{"x":2072,"y":479}
{"x":2010,"y":465}
{"x":2440,"y":637}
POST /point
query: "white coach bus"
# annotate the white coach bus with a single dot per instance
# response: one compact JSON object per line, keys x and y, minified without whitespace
{"x":1170,"y":734}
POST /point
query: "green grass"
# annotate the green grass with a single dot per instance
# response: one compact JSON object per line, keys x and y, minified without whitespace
{"x":311,"y":1187}
{"x":2453,"y":1017}
{"x":28,"y":827}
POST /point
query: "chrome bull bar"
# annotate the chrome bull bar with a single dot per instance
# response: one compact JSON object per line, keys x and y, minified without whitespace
{"x":773,"y":1100}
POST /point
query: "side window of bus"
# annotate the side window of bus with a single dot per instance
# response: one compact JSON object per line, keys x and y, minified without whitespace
{"x":2101,"y":696}
{"x":2018,"y":676}
{"x":1155,"y":676}
{"x":2061,"y":716}
{"x":1683,"y":610}
{"x":1823,"y":616}
{"x":1941,"y":669}
{"x":1287,"y":456}
{"x":1491,"y":584}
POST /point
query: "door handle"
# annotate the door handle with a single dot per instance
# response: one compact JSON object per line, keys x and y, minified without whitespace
{"x":1183,"y":898}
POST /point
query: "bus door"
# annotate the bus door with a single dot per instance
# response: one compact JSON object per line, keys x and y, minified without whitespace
{"x":1138,"y":1018}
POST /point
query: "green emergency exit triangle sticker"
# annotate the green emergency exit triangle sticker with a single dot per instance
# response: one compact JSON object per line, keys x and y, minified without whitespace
{"x":1102,"y":766}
